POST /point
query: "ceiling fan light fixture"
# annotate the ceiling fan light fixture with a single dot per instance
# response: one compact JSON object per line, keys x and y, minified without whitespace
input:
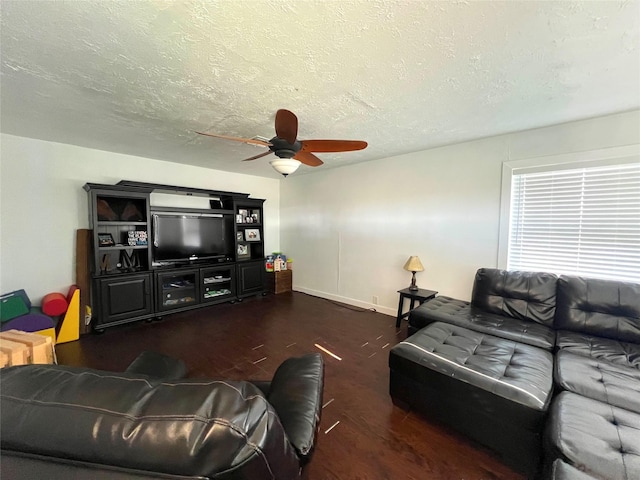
{"x":285,"y":166}
{"x":290,"y":151}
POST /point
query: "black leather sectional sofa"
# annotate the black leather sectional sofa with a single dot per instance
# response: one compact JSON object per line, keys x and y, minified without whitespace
{"x":544,"y":370}
{"x":62,"y":422}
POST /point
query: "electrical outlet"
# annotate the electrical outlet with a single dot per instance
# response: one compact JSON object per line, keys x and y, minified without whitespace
{"x":374,"y":299}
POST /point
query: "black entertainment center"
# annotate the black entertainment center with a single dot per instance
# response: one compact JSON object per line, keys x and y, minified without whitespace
{"x":148,"y":261}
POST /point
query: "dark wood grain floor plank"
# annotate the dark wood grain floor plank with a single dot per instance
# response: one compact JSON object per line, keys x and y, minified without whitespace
{"x":374,"y":440}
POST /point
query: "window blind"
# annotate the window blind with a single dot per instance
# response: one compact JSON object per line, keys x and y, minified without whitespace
{"x":583,"y":221}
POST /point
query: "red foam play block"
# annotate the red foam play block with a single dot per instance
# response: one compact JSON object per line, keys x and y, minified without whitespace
{"x":54,"y":304}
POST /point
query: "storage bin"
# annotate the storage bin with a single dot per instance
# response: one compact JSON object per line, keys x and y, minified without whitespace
{"x":279,"y":282}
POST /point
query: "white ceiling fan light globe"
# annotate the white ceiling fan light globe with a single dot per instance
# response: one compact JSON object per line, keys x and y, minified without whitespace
{"x":285,"y":166}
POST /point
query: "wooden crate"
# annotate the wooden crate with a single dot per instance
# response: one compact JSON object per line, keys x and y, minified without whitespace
{"x":16,"y":353}
{"x":27,"y":347}
{"x":279,"y":282}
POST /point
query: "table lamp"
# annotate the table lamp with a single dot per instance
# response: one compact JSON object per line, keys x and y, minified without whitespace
{"x":413,"y":265}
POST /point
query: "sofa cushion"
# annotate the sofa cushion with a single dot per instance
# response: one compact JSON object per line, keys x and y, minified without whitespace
{"x":185,"y":427}
{"x":620,"y":353}
{"x":518,"y":372}
{"x":296,"y":395}
{"x":598,"y":379}
{"x":604,"y":308}
{"x":563,"y":471}
{"x":599,"y":439}
{"x":18,"y":465}
{"x":465,"y":315}
{"x":521,"y":295}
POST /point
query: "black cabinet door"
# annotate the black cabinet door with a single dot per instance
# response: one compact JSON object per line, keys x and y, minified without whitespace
{"x":124,"y":298}
{"x":250,"y":278}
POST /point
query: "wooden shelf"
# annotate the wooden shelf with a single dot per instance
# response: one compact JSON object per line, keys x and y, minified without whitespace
{"x":123,"y":247}
{"x":120,"y":223}
{"x":187,"y":211}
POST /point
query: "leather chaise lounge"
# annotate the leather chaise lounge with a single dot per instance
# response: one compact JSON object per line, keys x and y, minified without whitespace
{"x":64,"y":422}
{"x":544,"y":370}
{"x":496,"y":391}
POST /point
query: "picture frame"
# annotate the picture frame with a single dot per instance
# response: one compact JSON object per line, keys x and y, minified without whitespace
{"x":105,"y":240}
{"x":239,"y":236}
{"x":243,"y":251}
{"x":239,"y":219}
{"x":252,"y":235}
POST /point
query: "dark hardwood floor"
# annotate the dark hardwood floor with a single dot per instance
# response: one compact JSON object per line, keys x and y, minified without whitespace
{"x":363,"y":435}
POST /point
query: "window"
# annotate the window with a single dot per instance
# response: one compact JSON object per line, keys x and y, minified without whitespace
{"x":568,"y":215}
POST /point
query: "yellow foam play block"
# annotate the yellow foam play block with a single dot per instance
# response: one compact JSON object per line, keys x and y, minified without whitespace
{"x":70,"y":328}
{"x":48,"y":332}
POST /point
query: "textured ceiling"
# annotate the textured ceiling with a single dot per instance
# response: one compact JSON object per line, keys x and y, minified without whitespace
{"x":140,"y":77}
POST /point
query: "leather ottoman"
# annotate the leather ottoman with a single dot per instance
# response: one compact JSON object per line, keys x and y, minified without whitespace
{"x":493,"y":390}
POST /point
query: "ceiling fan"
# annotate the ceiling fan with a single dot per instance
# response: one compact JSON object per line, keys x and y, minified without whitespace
{"x":290,"y":151}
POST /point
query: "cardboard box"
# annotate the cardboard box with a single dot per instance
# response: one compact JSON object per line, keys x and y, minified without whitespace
{"x":40,"y":346}
{"x":18,"y":353}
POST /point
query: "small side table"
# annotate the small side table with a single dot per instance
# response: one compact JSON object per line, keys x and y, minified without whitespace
{"x":420,"y":295}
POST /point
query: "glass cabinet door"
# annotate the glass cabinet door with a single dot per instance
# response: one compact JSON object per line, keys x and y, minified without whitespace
{"x":217,"y":283}
{"x":178,"y":289}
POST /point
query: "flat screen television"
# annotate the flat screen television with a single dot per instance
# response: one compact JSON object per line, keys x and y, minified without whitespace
{"x":189,"y":237}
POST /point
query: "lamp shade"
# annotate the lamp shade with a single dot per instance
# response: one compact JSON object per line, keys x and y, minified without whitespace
{"x":285,"y":166}
{"x":413,"y":265}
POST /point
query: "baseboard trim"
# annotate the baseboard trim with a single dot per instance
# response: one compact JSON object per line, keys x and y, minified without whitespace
{"x":349,"y":301}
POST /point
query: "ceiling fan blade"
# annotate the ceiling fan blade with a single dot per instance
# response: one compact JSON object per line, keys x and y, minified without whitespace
{"x":237,"y":139}
{"x":332,"y":145}
{"x":258,"y":156}
{"x":286,"y":125}
{"x":308,"y":159}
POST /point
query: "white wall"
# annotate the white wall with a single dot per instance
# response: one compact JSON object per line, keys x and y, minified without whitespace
{"x":42,"y":203}
{"x":350,"y":230}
